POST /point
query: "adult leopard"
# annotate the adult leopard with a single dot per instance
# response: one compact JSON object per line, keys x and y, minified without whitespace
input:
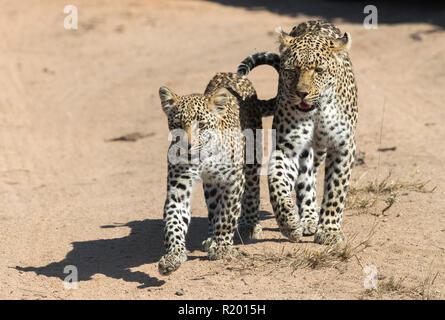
{"x":315,"y":119}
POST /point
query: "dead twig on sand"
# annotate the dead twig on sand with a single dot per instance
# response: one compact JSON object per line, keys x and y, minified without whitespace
{"x":131,"y":137}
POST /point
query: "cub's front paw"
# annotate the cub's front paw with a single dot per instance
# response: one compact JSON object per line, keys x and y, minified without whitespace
{"x":171,"y":262}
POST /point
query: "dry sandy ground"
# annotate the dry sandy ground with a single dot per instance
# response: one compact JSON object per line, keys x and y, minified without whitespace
{"x":68,"y":197}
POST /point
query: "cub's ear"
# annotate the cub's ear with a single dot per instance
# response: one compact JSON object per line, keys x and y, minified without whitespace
{"x":342,"y":44}
{"x":219,"y":100}
{"x":168,"y":99}
{"x":283,"y":38}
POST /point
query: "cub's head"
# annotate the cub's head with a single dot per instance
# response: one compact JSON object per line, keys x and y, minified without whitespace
{"x":195,"y":114}
{"x":311,"y":63}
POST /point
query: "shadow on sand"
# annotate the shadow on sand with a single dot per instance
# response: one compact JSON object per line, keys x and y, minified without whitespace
{"x":389,"y":11}
{"x":115,"y":257}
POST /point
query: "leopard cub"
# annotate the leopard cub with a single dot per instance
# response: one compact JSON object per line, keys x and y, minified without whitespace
{"x":213,"y":126}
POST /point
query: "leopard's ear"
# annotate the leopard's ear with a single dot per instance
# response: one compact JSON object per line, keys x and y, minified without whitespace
{"x":342,"y":44}
{"x":168,"y":99}
{"x":219,"y":101}
{"x":283,"y":38}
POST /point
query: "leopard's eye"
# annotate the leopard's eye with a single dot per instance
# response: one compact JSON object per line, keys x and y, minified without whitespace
{"x":319,"y":70}
{"x":177,"y":118}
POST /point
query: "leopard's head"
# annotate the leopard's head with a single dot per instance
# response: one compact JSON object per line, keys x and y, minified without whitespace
{"x":197,"y":115}
{"x":310,"y":65}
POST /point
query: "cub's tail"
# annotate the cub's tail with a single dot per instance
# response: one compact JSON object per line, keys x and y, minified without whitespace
{"x":258,"y":59}
{"x":264,"y":107}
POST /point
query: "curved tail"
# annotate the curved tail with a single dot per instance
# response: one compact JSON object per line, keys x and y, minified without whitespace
{"x":258,"y":59}
{"x":265,"y":107}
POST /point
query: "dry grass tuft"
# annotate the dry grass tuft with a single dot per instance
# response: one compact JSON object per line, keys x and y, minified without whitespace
{"x":426,"y":288}
{"x":384,"y":193}
{"x":299,"y":257}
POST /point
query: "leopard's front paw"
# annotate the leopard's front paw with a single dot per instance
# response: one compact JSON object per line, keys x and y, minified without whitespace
{"x":329,"y":237}
{"x":292,"y":231}
{"x":293,"y":235}
{"x":289,"y":221}
{"x":222,"y":251}
{"x":171,"y":262}
{"x":309,"y":227}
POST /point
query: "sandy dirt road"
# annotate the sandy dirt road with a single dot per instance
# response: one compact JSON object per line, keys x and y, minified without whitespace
{"x":69,"y":197}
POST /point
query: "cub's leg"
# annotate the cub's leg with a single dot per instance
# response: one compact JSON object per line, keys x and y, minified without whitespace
{"x":282,"y":176}
{"x":180,"y":181}
{"x":225,"y":224}
{"x":337,"y":176}
{"x":249,"y":224}
{"x":213,"y":201}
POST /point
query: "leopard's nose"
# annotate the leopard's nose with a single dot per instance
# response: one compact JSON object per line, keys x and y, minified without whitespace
{"x":302,"y":94}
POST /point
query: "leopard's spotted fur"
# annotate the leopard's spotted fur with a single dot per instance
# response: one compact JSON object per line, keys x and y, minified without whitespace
{"x":315,"y":118}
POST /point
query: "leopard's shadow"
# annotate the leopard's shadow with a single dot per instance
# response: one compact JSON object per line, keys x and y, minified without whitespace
{"x":116,"y":257}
